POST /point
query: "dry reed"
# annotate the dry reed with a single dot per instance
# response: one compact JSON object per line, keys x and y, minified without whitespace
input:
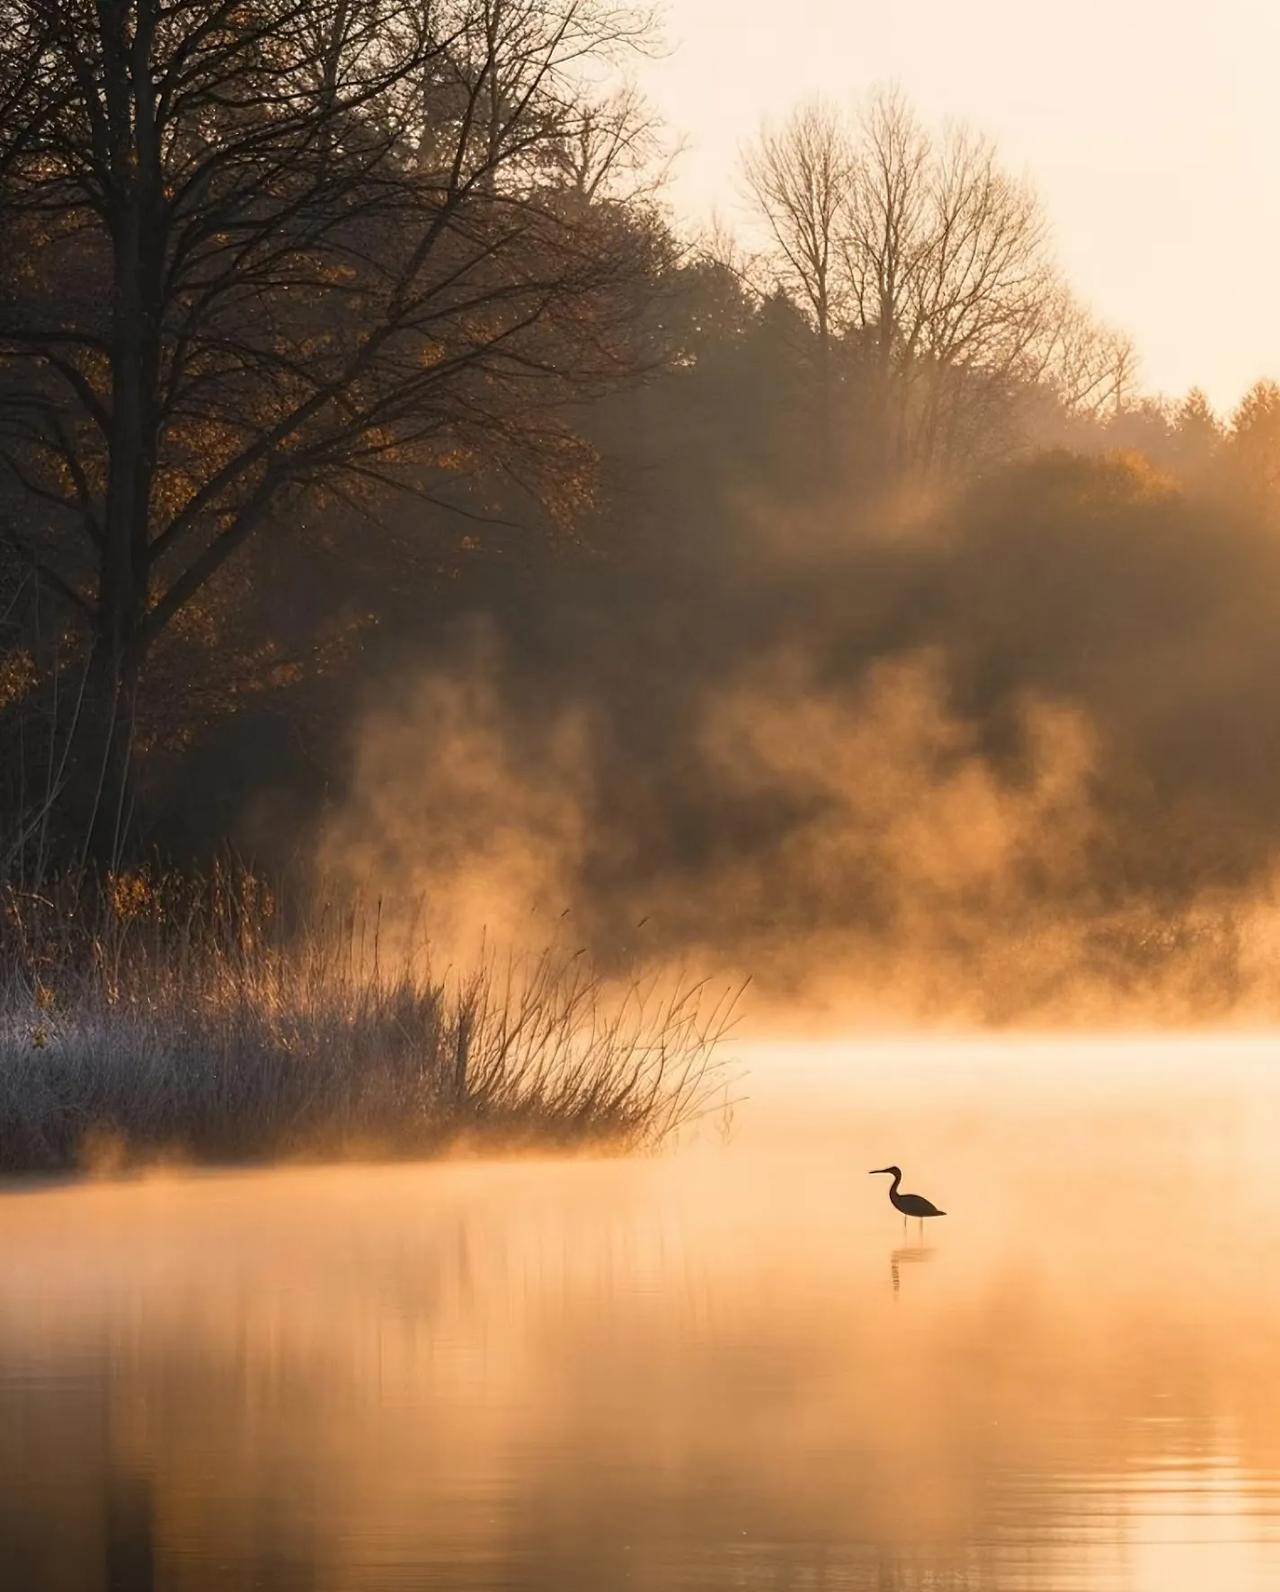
{"x":152,"y":1017}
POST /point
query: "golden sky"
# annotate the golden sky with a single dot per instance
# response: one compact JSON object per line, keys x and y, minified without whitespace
{"x":1151,"y":129}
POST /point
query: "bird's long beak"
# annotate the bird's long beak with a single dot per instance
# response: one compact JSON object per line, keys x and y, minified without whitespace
{"x":876,"y":1171}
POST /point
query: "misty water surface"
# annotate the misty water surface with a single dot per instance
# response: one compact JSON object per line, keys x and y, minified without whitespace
{"x":724,"y":1368}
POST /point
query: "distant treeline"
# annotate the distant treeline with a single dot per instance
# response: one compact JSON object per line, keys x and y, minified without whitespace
{"x":347,"y":347}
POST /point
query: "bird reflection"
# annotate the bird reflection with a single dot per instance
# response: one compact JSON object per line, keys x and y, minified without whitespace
{"x":906,"y":1256}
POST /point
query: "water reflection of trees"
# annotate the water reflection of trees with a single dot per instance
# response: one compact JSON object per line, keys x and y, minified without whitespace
{"x":585,"y":1391}
{"x":129,"y":1535}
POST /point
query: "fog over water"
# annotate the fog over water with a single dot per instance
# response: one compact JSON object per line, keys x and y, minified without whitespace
{"x":1006,"y":756}
{"x":723,"y":1365}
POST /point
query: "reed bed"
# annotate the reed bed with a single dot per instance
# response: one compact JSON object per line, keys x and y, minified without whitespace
{"x":150,"y":1017}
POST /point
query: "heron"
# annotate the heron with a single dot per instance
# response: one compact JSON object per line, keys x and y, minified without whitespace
{"x":909,"y":1204}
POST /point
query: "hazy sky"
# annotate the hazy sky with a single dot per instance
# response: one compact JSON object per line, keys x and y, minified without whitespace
{"x":1151,"y":129}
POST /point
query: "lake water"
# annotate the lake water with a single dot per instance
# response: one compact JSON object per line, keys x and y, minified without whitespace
{"x":724,"y":1368}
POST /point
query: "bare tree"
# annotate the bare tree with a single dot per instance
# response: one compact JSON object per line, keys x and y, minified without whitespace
{"x":950,"y":277}
{"x":884,"y":237}
{"x":257,"y":251}
{"x":615,"y":147}
{"x":1090,"y":368}
{"x":800,"y":179}
{"x":918,"y":256}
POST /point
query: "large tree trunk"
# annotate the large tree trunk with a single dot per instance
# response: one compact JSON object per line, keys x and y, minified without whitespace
{"x":111,"y":697}
{"x":137,"y":297}
{"x":100,"y":795}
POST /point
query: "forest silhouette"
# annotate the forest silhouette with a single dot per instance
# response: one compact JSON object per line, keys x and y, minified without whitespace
{"x":396,"y":490}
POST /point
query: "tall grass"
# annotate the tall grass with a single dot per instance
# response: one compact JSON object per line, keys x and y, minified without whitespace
{"x":151,"y":1016}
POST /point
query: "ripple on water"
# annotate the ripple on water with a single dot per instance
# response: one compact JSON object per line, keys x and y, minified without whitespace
{"x":717,"y":1369}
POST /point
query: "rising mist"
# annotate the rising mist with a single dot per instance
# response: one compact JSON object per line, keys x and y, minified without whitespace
{"x":1006,"y":757}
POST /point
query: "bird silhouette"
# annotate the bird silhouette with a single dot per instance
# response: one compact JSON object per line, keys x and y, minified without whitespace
{"x":909,"y":1204}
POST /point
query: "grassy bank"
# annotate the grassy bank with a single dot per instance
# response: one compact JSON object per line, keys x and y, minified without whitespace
{"x":158,"y":1018}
